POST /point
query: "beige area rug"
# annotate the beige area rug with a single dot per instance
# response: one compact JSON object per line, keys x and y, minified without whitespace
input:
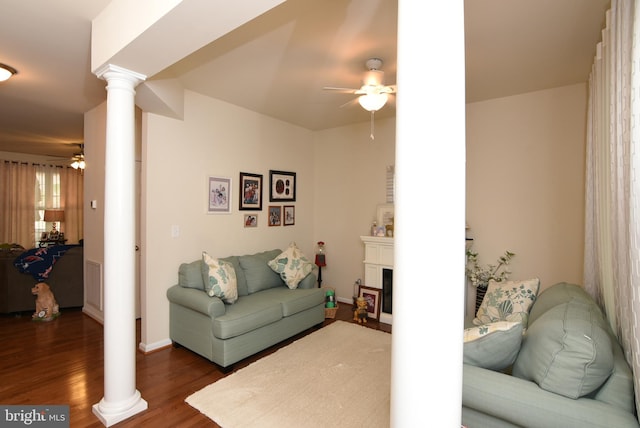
{"x":336,"y":376}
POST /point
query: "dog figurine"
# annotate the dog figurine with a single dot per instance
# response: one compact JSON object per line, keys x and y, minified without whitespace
{"x":360,"y":313}
{"x":46,"y":306}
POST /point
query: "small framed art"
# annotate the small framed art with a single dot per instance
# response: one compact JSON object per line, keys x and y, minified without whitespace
{"x":282,"y":186}
{"x":251,"y":220}
{"x":219,"y":195}
{"x":275,"y":215}
{"x":250,"y":191}
{"x":289,"y":215}
{"x":372,"y":296}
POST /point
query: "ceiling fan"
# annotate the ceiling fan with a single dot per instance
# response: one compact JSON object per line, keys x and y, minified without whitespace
{"x":373,"y":94}
{"x":77,"y":161}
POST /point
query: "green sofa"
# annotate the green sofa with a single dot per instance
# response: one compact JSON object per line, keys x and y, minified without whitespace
{"x":570,"y":371}
{"x":266,"y":312}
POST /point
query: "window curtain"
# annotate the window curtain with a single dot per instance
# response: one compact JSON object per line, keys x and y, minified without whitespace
{"x":72,"y":201}
{"x":612,"y":213}
{"x":70,"y":198}
{"x":17,"y":206}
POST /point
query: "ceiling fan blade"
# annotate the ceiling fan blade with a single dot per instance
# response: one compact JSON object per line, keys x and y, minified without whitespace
{"x":350,"y":103}
{"x":343,"y":90}
{"x":389,"y":89}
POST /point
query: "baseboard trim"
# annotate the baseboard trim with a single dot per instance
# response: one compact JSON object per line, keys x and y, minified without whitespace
{"x":152,"y":347}
{"x":93,"y":313}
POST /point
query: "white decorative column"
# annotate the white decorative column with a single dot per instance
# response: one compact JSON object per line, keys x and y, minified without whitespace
{"x":121,"y":398}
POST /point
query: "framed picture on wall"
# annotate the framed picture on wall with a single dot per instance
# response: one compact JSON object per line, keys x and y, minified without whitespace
{"x":218,"y":195}
{"x":372,"y":296}
{"x":251,"y":220}
{"x":282,"y":186}
{"x":275,"y":215}
{"x":289,"y":216}
{"x":250,"y":191}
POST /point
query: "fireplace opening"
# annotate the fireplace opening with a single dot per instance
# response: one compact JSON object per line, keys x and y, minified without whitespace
{"x":387,"y":290}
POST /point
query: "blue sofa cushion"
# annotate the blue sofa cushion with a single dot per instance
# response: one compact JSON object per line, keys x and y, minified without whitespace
{"x":258,"y":275}
{"x":567,"y":350}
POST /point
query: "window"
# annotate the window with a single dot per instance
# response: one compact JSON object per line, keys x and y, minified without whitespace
{"x":47,"y":195}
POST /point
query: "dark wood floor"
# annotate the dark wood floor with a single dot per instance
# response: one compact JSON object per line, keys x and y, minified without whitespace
{"x":61,"y":362}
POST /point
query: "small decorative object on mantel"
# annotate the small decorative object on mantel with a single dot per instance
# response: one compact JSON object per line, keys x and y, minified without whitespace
{"x":481,"y":275}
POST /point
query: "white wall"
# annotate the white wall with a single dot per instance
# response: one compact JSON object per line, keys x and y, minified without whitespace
{"x":350,"y":182}
{"x":215,"y":138}
{"x":525,"y":182}
{"x":94,"y":144}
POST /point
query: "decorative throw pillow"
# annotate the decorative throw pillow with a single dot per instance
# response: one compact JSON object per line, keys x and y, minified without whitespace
{"x":492,"y":346}
{"x":190,"y":275}
{"x":567,"y":350}
{"x":508,"y":301}
{"x":220,"y":280}
{"x":292,"y":266}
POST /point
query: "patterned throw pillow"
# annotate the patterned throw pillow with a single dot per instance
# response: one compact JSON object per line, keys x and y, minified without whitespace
{"x":220,"y":280}
{"x":292,"y":265}
{"x":493,"y":346}
{"x":508,"y":301}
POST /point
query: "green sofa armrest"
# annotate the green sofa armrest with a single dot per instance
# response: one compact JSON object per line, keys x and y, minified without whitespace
{"x":523,"y":403}
{"x":197,"y":300}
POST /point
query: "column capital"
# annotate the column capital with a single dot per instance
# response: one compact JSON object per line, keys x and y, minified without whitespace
{"x":108,"y":71}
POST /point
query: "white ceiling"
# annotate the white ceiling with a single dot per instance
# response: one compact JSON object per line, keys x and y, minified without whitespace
{"x":278,"y":63}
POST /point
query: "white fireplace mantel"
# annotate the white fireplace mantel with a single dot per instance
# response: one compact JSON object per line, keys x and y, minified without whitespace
{"x":378,"y":255}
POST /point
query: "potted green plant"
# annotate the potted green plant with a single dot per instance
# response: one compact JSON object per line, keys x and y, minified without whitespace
{"x":480,"y":275}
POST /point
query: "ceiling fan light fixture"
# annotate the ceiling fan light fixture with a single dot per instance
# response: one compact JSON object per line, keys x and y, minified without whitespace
{"x":78,"y":159}
{"x":373,"y":102}
{"x":6,"y":72}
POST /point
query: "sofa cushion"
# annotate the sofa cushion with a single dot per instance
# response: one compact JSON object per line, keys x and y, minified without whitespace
{"x":257,"y":272}
{"x":220,"y":279}
{"x":493,"y":346}
{"x":292,"y":265}
{"x":240,"y":279}
{"x":567,"y":350}
{"x":247,"y":314}
{"x":559,"y":293}
{"x":190,"y":275}
{"x":508,"y":301}
{"x":294,"y":301}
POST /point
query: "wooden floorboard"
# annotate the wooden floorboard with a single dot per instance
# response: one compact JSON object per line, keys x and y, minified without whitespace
{"x":61,"y":362}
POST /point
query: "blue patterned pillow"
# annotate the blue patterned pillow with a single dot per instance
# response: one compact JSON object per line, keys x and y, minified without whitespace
{"x":220,"y":279}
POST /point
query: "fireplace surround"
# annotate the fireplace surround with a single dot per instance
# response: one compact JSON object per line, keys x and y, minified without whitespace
{"x":378,"y":271}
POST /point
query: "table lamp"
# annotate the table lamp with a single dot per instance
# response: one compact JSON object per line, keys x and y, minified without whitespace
{"x":54,"y":216}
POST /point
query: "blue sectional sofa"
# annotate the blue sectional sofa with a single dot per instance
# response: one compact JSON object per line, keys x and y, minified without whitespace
{"x":570,"y":371}
{"x":266,"y":312}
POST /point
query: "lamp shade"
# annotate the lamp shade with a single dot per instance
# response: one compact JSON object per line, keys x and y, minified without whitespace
{"x":53,"y":215}
{"x":373,"y":102}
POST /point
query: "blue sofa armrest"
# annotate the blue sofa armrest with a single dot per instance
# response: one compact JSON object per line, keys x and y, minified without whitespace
{"x":197,"y":300}
{"x":524,"y":403}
